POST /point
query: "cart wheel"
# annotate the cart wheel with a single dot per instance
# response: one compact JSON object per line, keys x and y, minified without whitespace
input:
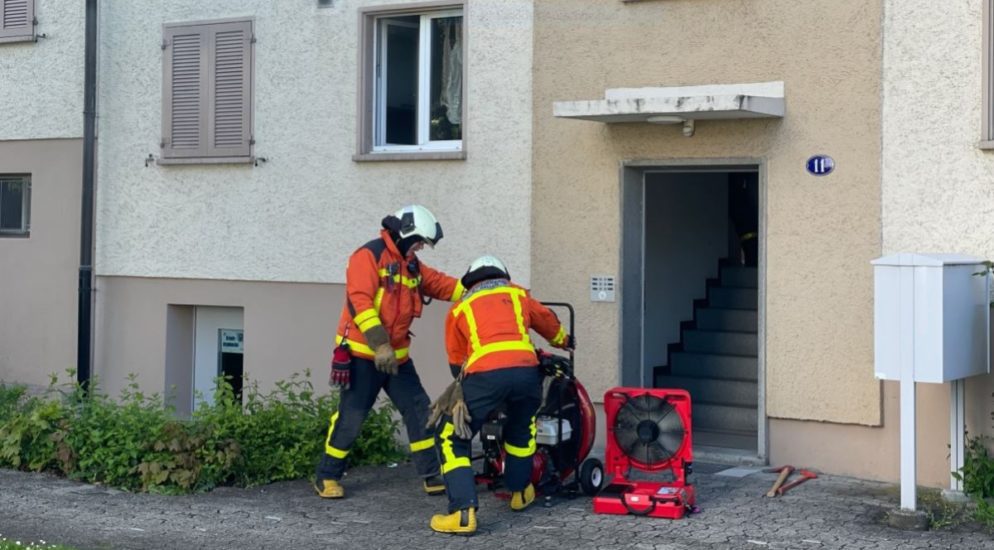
{"x":591,"y":476}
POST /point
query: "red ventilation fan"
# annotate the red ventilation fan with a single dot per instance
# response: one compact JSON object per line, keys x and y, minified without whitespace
{"x":647,"y":430}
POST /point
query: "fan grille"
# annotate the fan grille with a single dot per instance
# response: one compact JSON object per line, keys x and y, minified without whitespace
{"x":648,"y":429}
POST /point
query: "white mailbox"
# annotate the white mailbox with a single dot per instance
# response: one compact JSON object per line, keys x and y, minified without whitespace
{"x":931,"y":313}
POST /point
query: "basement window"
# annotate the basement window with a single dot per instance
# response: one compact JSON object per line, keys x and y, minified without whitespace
{"x":15,"y":205}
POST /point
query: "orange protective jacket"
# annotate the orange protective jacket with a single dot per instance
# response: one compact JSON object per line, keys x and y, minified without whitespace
{"x":488,"y":329}
{"x":382,"y":287}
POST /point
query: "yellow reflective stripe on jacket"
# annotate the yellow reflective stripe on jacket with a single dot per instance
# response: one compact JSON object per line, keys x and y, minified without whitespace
{"x":464,"y":305}
{"x":449,"y":459}
{"x":422,"y":445}
{"x":458,"y":292}
{"x":523,"y":452}
{"x":328,"y":449}
{"x":367,"y":319}
{"x":560,"y":337}
{"x":401,"y":353}
{"x":379,"y":298}
{"x":400,"y":279}
{"x":479,"y":350}
{"x":514,"y":345}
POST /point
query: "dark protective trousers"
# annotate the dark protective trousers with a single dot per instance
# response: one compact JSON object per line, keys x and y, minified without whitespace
{"x":519,"y":389}
{"x":406,"y":392}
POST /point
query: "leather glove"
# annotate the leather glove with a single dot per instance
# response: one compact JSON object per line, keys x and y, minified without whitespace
{"x":441,"y":406}
{"x":451,"y":403}
{"x":460,"y":416}
{"x":341,"y":375}
{"x":384,"y":357}
{"x":570,"y":342}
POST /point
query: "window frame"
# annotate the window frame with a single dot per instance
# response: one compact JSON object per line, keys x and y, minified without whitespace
{"x":987,"y":108}
{"x":206,"y":157}
{"x":29,"y":34}
{"x":25,"y":230}
{"x":371,"y":122}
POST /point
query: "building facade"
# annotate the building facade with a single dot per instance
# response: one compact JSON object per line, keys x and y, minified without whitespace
{"x":41,"y":129}
{"x":706,"y":182}
{"x":248,"y":148}
{"x":681,"y":141}
{"x":936,"y":168}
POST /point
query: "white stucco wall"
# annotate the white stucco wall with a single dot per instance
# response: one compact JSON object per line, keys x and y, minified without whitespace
{"x":41,"y":83}
{"x":938,"y":187}
{"x":298,"y":216}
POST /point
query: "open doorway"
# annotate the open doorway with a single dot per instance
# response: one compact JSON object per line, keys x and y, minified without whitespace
{"x":218,"y":350}
{"x":691,"y":308}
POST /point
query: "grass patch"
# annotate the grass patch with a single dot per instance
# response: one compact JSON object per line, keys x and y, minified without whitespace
{"x":941,"y":513}
{"x":7,"y":544}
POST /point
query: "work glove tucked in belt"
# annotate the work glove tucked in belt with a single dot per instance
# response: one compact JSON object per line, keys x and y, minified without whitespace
{"x":384,"y":358}
{"x":451,"y":403}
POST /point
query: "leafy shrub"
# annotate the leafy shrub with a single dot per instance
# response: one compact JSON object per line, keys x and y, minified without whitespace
{"x":977,"y":476}
{"x":10,"y":396}
{"x":136,"y":443}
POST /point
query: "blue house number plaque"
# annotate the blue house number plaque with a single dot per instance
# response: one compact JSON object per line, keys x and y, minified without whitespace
{"x":821,"y":165}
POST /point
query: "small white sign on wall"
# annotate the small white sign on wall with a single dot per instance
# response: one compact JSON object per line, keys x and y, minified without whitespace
{"x":232,"y":341}
{"x":602,"y":288}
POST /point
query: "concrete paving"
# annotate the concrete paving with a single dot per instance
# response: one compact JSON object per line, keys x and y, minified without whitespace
{"x":385,"y":508}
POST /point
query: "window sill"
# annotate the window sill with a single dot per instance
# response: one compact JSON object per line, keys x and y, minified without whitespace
{"x":985,"y":145}
{"x":24,"y":38}
{"x":414,"y":155}
{"x":12,"y":235}
{"x":205,"y":160}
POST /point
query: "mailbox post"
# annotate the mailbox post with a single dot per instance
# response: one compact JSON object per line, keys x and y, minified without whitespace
{"x":931,"y":318}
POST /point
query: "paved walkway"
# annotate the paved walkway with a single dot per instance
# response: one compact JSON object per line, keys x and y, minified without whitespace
{"x":385,"y":509}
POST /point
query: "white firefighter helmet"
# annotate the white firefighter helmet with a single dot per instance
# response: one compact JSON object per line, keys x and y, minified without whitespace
{"x":418,"y":221}
{"x":483,"y":268}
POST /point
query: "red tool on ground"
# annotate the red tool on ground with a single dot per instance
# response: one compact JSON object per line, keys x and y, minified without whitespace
{"x":784,"y":472}
{"x":805,"y":475}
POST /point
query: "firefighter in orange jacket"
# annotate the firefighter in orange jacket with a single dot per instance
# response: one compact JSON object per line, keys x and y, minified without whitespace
{"x":384,"y":284}
{"x":486,"y":336}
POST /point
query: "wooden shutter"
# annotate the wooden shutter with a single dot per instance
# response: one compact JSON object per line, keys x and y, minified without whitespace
{"x":17,"y":20}
{"x":229,"y":126}
{"x":184,"y":98}
{"x":207,"y":91}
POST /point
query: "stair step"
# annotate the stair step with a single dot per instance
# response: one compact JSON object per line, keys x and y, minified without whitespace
{"x":726,"y":439}
{"x":740,"y":276}
{"x":744,"y":320}
{"x":742,"y":393}
{"x":733,"y":297}
{"x":707,"y":365}
{"x":721,"y":342}
{"x":711,"y":416}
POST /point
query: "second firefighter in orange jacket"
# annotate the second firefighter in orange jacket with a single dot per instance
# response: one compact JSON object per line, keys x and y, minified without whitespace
{"x":384,"y":283}
{"x":486,"y":336}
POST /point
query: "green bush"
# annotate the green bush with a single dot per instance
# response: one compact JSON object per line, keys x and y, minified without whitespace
{"x":977,"y":476}
{"x":136,"y":443}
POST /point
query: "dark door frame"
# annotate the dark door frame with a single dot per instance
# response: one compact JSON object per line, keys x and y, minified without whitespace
{"x":631,"y":371}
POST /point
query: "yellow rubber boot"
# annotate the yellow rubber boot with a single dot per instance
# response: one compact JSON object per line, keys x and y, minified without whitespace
{"x":460,"y":522}
{"x":521,"y":499}
{"x":434,"y":485}
{"x":329,"y":488}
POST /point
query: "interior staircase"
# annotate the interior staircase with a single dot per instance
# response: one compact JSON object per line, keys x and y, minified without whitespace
{"x":716,"y":360}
